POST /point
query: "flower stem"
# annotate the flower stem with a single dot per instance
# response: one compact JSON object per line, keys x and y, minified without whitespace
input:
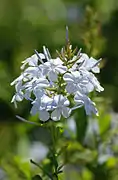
{"x":54,"y":162}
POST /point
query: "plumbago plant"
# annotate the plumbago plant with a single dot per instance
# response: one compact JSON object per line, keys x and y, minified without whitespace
{"x":55,"y":88}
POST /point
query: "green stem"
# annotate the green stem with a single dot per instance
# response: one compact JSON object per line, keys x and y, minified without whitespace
{"x":53,"y":150}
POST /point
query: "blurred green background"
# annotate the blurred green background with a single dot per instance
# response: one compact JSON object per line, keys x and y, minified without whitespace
{"x":26,"y":25}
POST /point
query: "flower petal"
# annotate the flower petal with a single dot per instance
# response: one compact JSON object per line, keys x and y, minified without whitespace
{"x":56,"y":114}
{"x":43,"y":115}
{"x":66,"y":112}
{"x":61,"y":69}
{"x":71,"y":88}
{"x":52,"y":76}
{"x":68,"y":77}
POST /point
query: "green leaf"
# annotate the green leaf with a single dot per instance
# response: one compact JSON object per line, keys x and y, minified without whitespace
{"x":104,"y":123}
{"x":37,"y":177}
{"x":81,"y":124}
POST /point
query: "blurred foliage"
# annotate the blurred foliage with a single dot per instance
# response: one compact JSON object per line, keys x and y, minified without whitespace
{"x":90,"y":151}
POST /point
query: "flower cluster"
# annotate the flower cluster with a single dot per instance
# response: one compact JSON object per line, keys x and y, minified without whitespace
{"x":55,"y":87}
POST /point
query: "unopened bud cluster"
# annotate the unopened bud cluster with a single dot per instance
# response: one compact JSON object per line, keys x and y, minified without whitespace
{"x":55,"y":87}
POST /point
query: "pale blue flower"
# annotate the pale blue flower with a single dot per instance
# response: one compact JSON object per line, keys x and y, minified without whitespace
{"x":82,"y":99}
{"x":33,"y":60}
{"x":89,"y":63}
{"x":52,"y":68}
{"x":75,"y":82}
{"x":62,"y":108}
{"x":40,"y":83}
